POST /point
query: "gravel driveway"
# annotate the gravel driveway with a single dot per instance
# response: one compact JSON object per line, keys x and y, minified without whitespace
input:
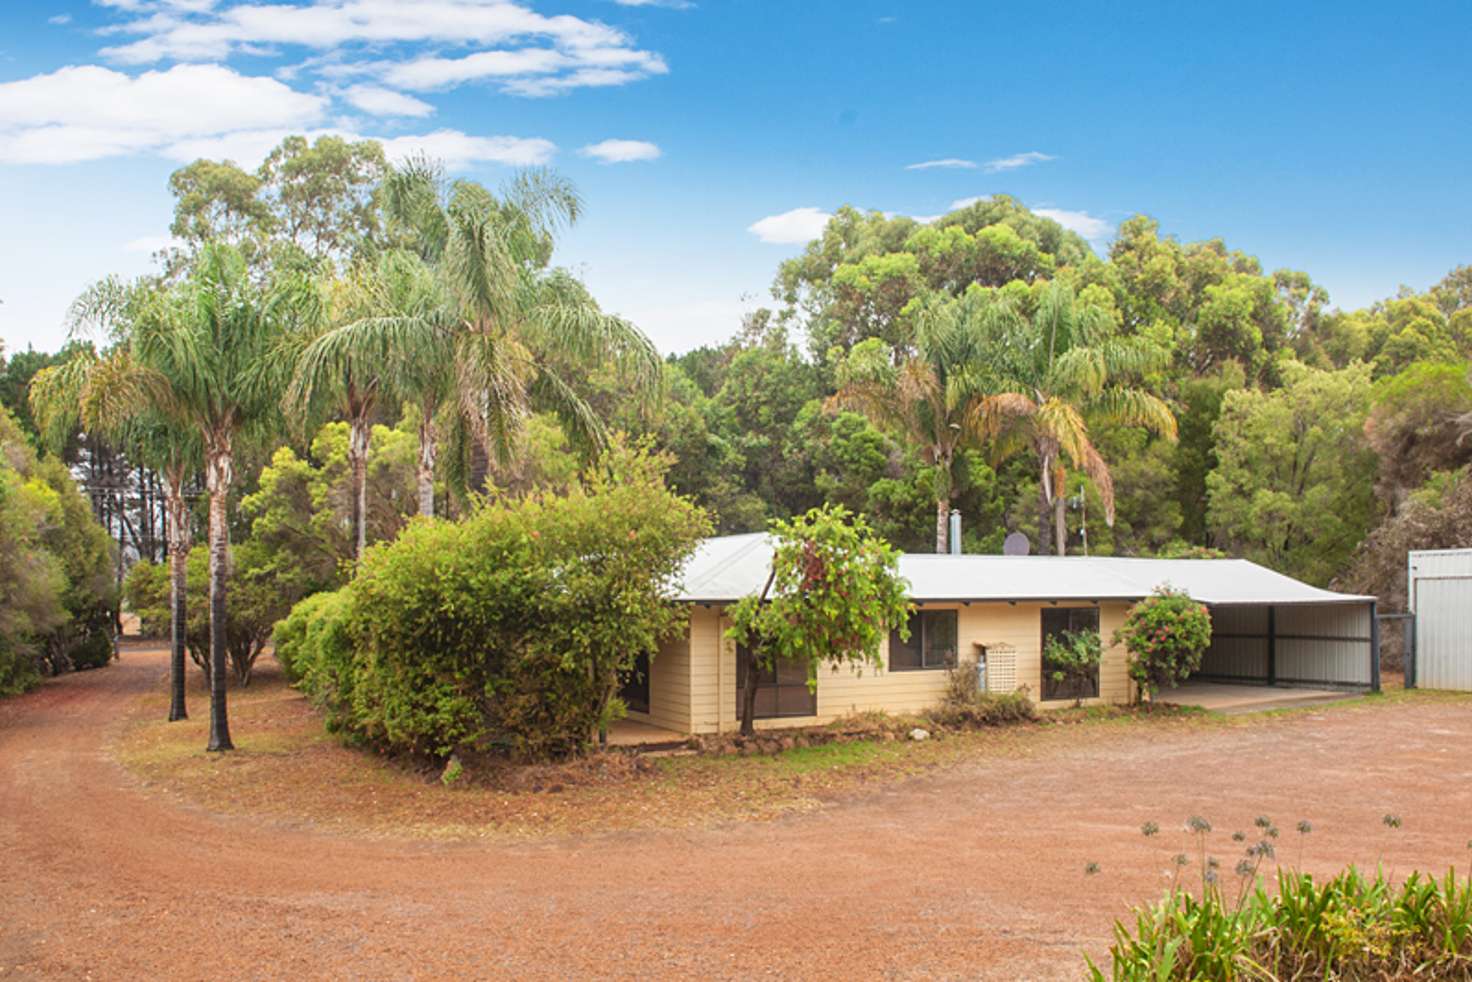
{"x":976,"y":871}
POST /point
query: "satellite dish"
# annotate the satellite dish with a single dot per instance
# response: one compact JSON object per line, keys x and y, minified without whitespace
{"x":1016,"y":544}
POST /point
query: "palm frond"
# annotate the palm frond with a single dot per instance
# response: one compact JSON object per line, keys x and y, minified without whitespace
{"x":1135,"y":407}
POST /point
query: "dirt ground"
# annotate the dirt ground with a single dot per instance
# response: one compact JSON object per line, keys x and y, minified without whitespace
{"x":973,"y":870}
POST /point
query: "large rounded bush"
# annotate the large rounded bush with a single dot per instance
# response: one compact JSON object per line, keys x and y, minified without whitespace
{"x":1166,"y":635}
{"x":507,"y":631}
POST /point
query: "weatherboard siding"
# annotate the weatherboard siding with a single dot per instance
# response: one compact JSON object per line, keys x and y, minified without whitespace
{"x":693,"y":682}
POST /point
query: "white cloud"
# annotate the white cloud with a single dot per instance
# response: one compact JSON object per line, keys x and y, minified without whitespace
{"x":385,"y":102}
{"x":1017,"y":160}
{"x":87,"y":112}
{"x":59,"y":19}
{"x":796,"y":226}
{"x":669,"y":4}
{"x":457,"y":150}
{"x":325,"y":24}
{"x":944,"y":163}
{"x":1081,"y":222}
{"x":525,"y":71}
{"x":522,"y":51}
{"x":621,"y":151}
{"x":960,"y":203}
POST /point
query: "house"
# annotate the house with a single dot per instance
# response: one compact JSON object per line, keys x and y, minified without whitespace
{"x":998,"y":610}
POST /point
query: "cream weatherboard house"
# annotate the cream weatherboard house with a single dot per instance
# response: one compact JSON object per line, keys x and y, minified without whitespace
{"x":994,"y":613}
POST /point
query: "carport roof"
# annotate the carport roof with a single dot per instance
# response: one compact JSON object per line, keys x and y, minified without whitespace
{"x":726,"y":568}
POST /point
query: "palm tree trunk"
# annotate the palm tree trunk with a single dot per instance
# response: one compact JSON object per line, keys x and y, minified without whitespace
{"x":178,"y":535}
{"x":1045,"y":506}
{"x":218,"y":476}
{"x":358,"y":438}
{"x":480,"y":467}
{"x":942,"y":525}
{"x":425,"y":474}
{"x":1060,"y":523}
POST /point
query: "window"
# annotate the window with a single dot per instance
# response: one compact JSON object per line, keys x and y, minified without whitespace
{"x":1069,"y":620}
{"x":932,"y":642}
{"x":780,"y":691}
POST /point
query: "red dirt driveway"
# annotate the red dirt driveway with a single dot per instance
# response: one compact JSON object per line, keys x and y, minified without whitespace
{"x":975,"y":871}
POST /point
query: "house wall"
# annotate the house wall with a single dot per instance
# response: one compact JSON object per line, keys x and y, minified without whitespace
{"x":707,"y":694}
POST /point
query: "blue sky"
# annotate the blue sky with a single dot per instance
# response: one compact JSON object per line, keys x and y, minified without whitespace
{"x":1328,"y":137}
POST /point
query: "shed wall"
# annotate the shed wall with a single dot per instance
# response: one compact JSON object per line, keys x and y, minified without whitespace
{"x":1440,"y":595}
{"x":1312,"y":644}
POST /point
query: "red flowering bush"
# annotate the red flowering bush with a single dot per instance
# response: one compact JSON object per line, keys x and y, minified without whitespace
{"x":1166,"y":635}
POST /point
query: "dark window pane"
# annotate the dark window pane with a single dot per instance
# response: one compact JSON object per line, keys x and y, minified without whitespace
{"x":780,"y":691}
{"x":940,"y":638}
{"x":905,"y":654}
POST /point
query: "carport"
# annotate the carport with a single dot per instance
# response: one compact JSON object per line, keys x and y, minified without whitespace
{"x":1271,"y":630}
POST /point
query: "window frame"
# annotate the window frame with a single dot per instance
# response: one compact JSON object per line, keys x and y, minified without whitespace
{"x":1044,"y":634}
{"x":918,"y":636}
{"x":777,"y":687}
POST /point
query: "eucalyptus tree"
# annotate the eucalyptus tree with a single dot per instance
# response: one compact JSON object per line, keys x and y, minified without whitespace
{"x":935,"y":396}
{"x":111,"y":397}
{"x":206,"y":357}
{"x":1053,"y":373}
{"x":516,"y":330}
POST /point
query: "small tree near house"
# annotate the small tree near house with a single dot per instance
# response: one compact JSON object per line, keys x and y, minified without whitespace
{"x":833,"y":595}
{"x":1166,"y":635}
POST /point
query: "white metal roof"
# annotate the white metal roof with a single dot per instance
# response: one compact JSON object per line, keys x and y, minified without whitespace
{"x":727,"y":568}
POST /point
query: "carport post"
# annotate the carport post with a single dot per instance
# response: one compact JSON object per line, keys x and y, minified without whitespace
{"x":1374,"y":649}
{"x":1272,"y":645}
{"x":1410,"y":651}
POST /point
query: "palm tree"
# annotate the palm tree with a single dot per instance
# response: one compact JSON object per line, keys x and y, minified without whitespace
{"x":336,"y":376}
{"x":1066,"y":365}
{"x":515,"y":329}
{"x":205,"y":357}
{"x":103,"y":396}
{"x":935,"y":396}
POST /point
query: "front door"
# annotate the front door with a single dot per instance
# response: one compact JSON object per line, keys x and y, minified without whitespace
{"x":634,"y":690}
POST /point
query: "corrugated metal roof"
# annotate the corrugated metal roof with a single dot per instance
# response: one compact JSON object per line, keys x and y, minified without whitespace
{"x":727,"y":568}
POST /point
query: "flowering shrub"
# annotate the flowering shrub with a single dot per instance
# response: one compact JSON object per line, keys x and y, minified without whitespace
{"x":1166,"y":634}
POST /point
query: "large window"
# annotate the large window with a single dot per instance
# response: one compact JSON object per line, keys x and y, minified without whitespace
{"x":1068,"y":620}
{"x":780,"y":691}
{"x":932,"y":642}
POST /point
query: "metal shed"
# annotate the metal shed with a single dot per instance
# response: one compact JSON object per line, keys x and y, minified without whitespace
{"x":1439,"y":594}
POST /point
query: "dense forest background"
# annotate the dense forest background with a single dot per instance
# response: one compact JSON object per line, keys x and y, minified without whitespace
{"x":1207,"y":405}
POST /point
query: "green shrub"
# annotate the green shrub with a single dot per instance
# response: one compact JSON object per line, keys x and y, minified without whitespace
{"x":1351,"y":926}
{"x":1166,"y":635}
{"x":91,"y":646}
{"x":506,"y":631}
{"x":289,"y":636}
{"x":966,"y":705}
